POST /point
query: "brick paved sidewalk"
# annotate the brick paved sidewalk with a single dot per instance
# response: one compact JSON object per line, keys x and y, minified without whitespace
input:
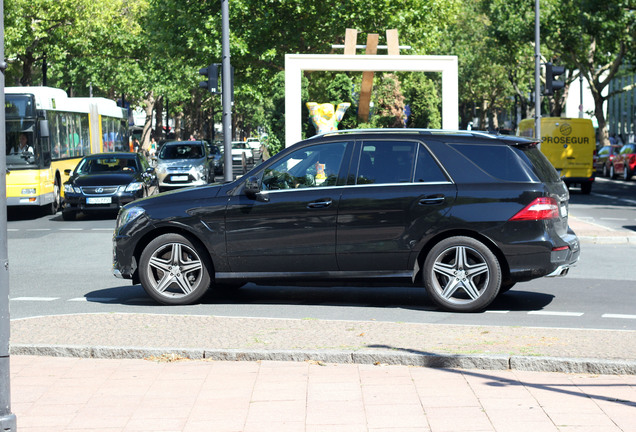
{"x":75,"y":394}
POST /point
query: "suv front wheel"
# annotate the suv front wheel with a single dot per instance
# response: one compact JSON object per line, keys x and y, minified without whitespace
{"x":173,"y":271}
{"x":461,"y":274}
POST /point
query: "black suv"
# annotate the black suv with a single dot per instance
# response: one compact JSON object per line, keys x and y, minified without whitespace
{"x":465,"y":215}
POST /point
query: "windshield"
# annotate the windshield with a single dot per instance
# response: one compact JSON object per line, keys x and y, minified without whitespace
{"x":22,"y":148}
{"x":182,"y":151}
{"x":107,"y":165}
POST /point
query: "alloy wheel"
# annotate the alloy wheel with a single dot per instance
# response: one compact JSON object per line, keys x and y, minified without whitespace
{"x":176,"y":269}
{"x":173,"y":271}
{"x":461,"y":274}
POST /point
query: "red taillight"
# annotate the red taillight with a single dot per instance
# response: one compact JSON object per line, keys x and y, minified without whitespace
{"x":542,"y":208}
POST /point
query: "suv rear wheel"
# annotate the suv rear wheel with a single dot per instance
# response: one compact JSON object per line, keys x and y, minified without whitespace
{"x":173,"y":271}
{"x":461,"y":274}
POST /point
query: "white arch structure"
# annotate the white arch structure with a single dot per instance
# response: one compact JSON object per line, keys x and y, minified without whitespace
{"x":295,"y":64}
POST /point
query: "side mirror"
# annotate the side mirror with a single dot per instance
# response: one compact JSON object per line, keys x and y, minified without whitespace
{"x":253,"y":190}
{"x":44,"y":128}
{"x":68,"y":172}
{"x":150,"y":170}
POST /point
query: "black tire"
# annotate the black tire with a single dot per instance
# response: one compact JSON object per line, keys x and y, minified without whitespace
{"x":69,"y":215}
{"x":626,"y":173}
{"x":505,"y":287}
{"x":461,"y":275}
{"x":612,"y":173}
{"x":605,"y":171}
{"x":173,"y":271}
{"x":586,"y":188}
{"x":52,"y":208}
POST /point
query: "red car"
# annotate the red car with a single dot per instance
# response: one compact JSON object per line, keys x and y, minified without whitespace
{"x":624,"y":164}
{"x":604,"y":159}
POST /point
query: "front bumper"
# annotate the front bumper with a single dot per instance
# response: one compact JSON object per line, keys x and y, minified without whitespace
{"x":175,"y":180}
{"x":82,"y":203}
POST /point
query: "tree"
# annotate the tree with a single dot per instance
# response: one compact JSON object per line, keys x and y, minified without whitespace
{"x":595,"y":37}
{"x":422,"y":96}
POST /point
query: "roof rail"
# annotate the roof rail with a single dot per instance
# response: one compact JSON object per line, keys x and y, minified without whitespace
{"x":406,"y":130}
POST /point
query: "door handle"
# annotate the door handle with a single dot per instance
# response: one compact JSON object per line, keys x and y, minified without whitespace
{"x":435,"y":199}
{"x":320,"y":204}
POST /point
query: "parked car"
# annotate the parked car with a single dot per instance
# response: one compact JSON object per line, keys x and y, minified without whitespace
{"x":184,"y":163}
{"x":625,"y":163}
{"x":254,"y":144}
{"x":238,"y":149}
{"x":465,"y":215}
{"x":217,"y":156}
{"x":604,"y":159}
{"x":106,"y":182}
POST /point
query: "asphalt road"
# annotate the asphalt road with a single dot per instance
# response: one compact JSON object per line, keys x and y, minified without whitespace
{"x":59,"y":267}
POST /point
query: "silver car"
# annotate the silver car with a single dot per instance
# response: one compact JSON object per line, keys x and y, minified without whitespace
{"x":184,"y":163}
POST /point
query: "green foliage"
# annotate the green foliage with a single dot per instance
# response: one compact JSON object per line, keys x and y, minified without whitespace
{"x":422,"y":95}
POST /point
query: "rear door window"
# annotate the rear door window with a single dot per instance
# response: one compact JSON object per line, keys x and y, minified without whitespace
{"x":385,"y":162}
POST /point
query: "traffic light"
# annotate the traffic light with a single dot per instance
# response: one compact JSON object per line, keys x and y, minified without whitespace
{"x":551,"y":83}
{"x":212,"y":74}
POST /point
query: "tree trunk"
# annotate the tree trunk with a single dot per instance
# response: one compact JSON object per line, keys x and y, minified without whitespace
{"x":145,"y":134}
{"x":159,"y":131}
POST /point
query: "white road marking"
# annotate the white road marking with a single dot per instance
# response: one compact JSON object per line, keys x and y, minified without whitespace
{"x":39,"y":229}
{"x":619,"y":316}
{"x":35,"y":298}
{"x":555,"y":313}
{"x":498,"y":311}
{"x":92,"y":299}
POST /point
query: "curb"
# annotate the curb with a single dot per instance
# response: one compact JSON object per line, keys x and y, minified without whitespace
{"x":440,"y":361}
{"x":627,"y":239}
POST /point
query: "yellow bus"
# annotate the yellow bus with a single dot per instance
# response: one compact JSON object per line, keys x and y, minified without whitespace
{"x":47,"y":132}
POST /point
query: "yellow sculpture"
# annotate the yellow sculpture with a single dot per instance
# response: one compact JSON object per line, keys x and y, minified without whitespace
{"x":323,"y":116}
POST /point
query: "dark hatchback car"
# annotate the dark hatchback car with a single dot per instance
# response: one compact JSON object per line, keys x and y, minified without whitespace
{"x":217,"y":156}
{"x":464,"y":215}
{"x":106,"y":182}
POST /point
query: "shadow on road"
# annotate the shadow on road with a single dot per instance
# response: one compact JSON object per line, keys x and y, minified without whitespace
{"x":412,"y":298}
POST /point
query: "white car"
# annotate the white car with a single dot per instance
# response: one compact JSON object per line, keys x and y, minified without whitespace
{"x":254,"y":144}
{"x":238,"y":149}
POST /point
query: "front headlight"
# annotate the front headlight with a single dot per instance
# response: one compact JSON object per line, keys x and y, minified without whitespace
{"x":134,"y":186}
{"x":127,"y":215}
{"x":69,"y":188}
{"x":160,"y":169}
{"x":197,"y":171}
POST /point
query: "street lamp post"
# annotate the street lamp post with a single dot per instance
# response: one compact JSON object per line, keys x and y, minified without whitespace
{"x":226,"y":90}
{"x":7,"y":419}
{"x":537,"y":72}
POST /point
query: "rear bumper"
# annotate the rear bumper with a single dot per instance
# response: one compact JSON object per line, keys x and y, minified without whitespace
{"x":545,"y":259}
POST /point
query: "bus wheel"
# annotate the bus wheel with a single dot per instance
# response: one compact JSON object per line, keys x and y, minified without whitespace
{"x":53,"y":207}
